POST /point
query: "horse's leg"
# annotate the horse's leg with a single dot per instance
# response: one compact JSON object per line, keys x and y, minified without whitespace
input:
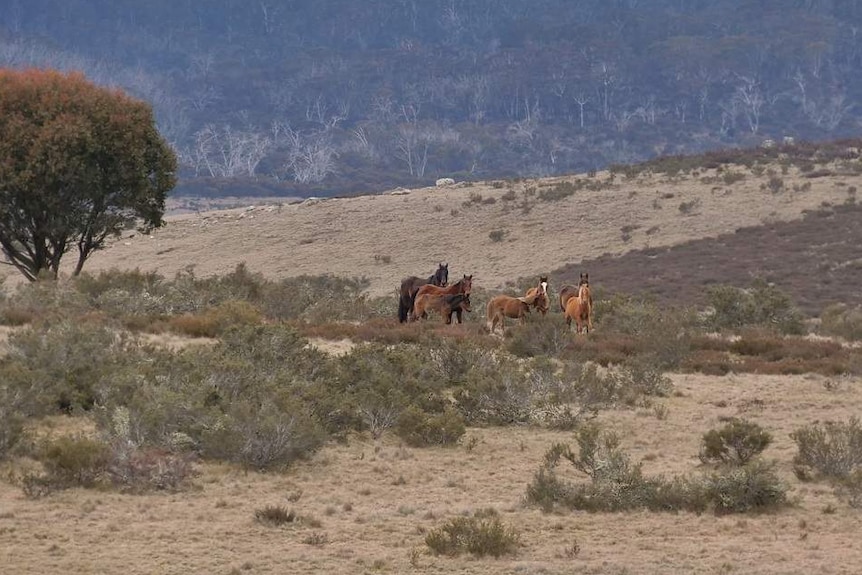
{"x":457,"y":314}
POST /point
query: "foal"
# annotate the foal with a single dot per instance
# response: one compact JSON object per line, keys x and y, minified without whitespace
{"x":446,"y":305}
{"x":503,"y":306}
{"x":462,"y":286}
{"x":541,"y":302}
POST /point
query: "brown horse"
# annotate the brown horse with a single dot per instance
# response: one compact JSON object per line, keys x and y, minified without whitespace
{"x":409,"y":287}
{"x":541,"y":302}
{"x":503,"y":306}
{"x":463,"y":286}
{"x":446,"y":305}
{"x":570,"y":291}
{"x":580,"y":309}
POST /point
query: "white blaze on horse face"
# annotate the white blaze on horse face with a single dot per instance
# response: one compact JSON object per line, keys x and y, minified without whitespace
{"x":544,"y":288}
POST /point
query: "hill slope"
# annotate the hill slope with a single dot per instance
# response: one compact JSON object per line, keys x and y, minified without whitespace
{"x":539,"y":225}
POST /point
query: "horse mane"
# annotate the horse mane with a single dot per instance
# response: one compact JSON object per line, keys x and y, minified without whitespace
{"x":531,"y":299}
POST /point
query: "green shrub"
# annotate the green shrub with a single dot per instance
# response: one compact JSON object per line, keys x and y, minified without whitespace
{"x":56,"y":367}
{"x":616,"y":484}
{"x":842,"y":321}
{"x":832,"y":449}
{"x":751,"y":487}
{"x":495,"y":394}
{"x":762,"y":305}
{"x":736,"y":443}
{"x":68,"y":462}
{"x":11,"y":424}
{"x":420,"y":429}
{"x":273,"y":435}
{"x":478,"y":536}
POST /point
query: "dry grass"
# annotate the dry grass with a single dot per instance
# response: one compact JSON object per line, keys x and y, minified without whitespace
{"x":367,"y":505}
{"x":376,"y":501}
{"x":342,"y":236}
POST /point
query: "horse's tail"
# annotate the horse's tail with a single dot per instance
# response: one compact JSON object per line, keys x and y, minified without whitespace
{"x":412,"y":299}
{"x":402,"y":308}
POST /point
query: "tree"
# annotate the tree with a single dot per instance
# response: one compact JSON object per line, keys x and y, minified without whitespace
{"x":78,"y":163}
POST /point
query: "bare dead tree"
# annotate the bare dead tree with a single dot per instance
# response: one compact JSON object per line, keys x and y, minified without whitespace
{"x":581,"y":100}
{"x":224,"y":152}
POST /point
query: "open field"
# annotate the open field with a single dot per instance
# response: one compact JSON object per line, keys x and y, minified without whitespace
{"x":365,"y":504}
{"x":375,"y":500}
{"x":387,"y":237}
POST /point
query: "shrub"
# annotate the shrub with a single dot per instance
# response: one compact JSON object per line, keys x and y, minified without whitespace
{"x":274,"y":435}
{"x":68,"y":462}
{"x":842,"y":321}
{"x":833,"y":449}
{"x":750,"y":487}
{"x":274,"y":515}
{"x":616,"y":484}
{"x":139,"y":470}
{"x":474,"y":535}
{"x":11,"y":424}
{"x":762,"y":305}
{"x":57,"y":367}
{"x":736,"y":443}
{"x":420,"y":429}
{"x":496,"y":394}
{"x":497,"y":235}
{"x":559,"y":192}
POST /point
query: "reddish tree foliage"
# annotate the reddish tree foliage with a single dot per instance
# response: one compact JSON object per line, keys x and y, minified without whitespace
{"x":78,"y":163}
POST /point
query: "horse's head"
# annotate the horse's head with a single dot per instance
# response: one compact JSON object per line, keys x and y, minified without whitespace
{"x":585,"y":279}
{"x":466,"y":284}
{"x":441,"y":276}
{"x":543,"y":284}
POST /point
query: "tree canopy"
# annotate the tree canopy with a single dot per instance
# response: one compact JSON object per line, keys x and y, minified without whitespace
{"x":78,"y":163}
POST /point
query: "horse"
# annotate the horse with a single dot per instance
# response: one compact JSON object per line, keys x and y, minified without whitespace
{"x":570,"y":291}
{"x":409,"y":287}
{"x":542,"y":303}
{"x":447,"y":305}
{"x":503,"y":306}
{"x":580,"y":309}
{"x":463,"y":286}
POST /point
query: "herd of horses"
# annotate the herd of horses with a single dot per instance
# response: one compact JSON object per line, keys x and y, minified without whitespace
{"x":418,"y":296}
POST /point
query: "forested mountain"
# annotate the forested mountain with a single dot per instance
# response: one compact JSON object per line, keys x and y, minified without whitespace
{"x":339,"y":96}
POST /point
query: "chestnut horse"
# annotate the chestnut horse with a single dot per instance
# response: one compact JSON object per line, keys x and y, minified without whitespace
{"x":409,"y":287}
{"x":580,"y":309}
{"x":569,"y":291}
{"x":446,"y":305}
{"x":463,"y":286}
{"x":503,"y":306}
{"x":541,"y":302}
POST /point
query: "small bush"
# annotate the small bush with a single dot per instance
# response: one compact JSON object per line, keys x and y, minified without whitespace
{"x":420,"y":429}
{"x":752,"y":487}
{"x":833,"y":449}
{"x":274,"y":515}
{"x":478,"y":536}
{"x":736,"y":443}
{"x":139,"y":470}
{"x":497,"y":235}
{"x":11,"y":426}
{"x":68,"y":462}
{"x":842,"y":321}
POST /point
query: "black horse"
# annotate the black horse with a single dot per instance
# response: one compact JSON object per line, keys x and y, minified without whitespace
{"x":409,"y":287}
